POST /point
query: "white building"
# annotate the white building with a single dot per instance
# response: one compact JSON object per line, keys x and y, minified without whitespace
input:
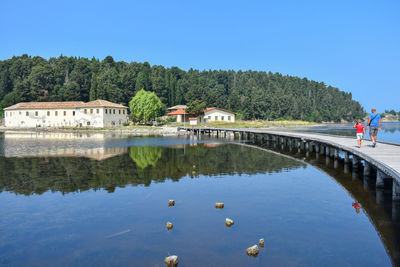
{"x":218,"y":114}
{"x":97,"y":114}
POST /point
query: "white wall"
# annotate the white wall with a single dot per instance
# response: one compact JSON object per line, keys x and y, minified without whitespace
{"x":117,"y":117}
{"x":94,"y":117}
{"x":219,"y":115}
{"x":39,"y":118}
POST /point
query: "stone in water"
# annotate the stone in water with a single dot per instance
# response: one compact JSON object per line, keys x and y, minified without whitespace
{"x":219,"y":205}
{"x":228,"y":222}
{"x":171,"y":261}
{"x":171,"y":202}
{"x":252,"y":251}
{"x":169,"y":225}
{"x":261,"y":242}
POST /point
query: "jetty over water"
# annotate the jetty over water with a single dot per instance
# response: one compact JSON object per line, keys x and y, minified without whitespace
{"x":382,"y":162}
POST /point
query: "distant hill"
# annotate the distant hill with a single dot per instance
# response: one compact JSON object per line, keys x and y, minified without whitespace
{"x":252,"y":94}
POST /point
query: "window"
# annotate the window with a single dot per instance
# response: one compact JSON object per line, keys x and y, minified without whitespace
{"x":97,"y":111}
{"x":113,"y":111}
{"x":48,"y":113}
{"x":56,"y":113}
{"x":106,"y":111}
{"x":36,"y":113}
{"x":123,"y":112}
{"x":73,"y":113}
{"x":209,"y":117}
{"x":65,"y":113}
{"x":229,"y":118}
{"x":119,"y":111}
{"x":88,"y":123}
{"x":85,"y":111}
{"x":216,"y":118}
{"x":222,"y":118}
{"x":27,"y":113}
{"x":91,"y":111}
{"x":20,"y":113}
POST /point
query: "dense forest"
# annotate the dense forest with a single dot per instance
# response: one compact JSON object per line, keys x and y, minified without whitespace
{"x":252,"y":94}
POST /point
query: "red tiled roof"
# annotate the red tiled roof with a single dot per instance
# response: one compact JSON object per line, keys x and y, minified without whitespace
{"x":178,"y":112}
{"x":102,"y":103}
{"x":61,"y":105}
{"x":45,"y":105}
{"x":209,"y":109}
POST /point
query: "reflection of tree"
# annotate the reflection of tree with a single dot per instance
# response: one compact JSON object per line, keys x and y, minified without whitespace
{"x":151,"y":164}
{"x":145,"y":156}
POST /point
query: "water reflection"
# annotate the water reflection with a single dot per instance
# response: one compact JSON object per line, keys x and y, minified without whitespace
{"x":305,"y":217}
{"x":141,"y":166}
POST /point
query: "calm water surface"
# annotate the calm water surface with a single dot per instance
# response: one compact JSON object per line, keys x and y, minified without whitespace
{"x":96,"y":200}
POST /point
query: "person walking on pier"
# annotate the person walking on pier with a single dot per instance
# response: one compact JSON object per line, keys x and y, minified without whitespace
{"x":360,"y":132}
{"x":374,"y":121}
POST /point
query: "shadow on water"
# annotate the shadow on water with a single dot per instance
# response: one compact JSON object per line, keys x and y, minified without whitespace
{"x":377,"y":203}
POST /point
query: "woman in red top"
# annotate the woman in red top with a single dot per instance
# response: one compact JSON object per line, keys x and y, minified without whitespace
{"x":360,"y":132}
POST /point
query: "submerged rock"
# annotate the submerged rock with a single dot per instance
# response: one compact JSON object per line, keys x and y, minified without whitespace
{"x":252,"y":251}
{"x":169,"y":225}
{"x":171,"y":202}
{"x":228,"y":222}
{"x":261,"y":242}
{"x":171,"y":261}
{"x":219,"y":205}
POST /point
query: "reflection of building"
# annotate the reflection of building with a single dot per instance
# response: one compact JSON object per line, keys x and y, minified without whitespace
{"x":31,"y":144}
{"x":98,"y":113}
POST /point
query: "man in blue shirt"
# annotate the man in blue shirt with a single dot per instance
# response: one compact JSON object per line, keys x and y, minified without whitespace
{"x":374,"y":121}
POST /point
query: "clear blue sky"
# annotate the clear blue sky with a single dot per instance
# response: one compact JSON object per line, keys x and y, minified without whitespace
{"x":352,"y":45}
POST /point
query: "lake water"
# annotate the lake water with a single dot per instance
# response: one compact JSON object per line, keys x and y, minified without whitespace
{"x":103,"y":200}
{"x":390,"y":131}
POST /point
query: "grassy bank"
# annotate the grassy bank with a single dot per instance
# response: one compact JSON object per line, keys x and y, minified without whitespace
{"x":252,"y":124}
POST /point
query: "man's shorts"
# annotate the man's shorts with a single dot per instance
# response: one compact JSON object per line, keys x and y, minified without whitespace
{"x":373,"y":131}
{"x":359,"y":136}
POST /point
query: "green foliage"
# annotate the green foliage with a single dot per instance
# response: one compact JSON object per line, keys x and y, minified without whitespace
{"x":145,"y":106}
{"x":142,"y":166}
{"x":196,"y":106}
{"x":145,"y":156}
{"x":252,"y":94}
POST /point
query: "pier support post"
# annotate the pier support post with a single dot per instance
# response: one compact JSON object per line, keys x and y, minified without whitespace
{"x":327,"y":151}
{"x":336,"y":153}
{"x":346,"y":157}
{"x":346,"y":167}
{"x":355,"y":161}
{"x":396,"y":191}
{"x":379,"y":196}
{"x":366,"y":183}
{"x":367,"y":169}
{"x":380,"y":176}
{"x":335,"y":163}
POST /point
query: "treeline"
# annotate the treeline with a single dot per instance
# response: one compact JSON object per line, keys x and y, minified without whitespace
{"x":252,"y":94}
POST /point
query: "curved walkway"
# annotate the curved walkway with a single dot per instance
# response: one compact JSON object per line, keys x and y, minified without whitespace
{"x":385,"y":157}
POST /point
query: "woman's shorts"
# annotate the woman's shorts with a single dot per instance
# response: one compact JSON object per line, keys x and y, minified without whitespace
{"x":359,"y":136}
